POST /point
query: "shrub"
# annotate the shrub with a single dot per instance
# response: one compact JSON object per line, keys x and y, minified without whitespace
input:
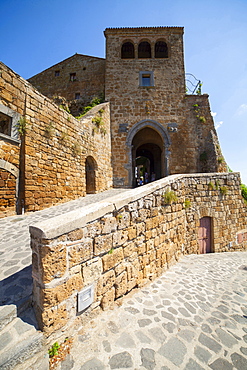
{"x":244,"y":192}
{"x":202,"y":119}
{"x":211,"y":186}
{"x":187,"y":203}
{"x":169,"y":197}
{"x":22,"y":126}
{"x":223,"y":190}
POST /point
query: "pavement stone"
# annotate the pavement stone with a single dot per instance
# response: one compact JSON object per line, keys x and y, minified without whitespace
{"x":194,"y":316}
{"x":15,"y":251}
{"x":213,"y":336}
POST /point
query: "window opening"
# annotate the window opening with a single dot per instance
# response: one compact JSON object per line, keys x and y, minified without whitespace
{"x":57,"y":73}
{"x":127,"y":51}
{"x":161,"y":49}
{"x":72,"y":77}
{"x":144,"y":50}
{"x":5,"y":124}
{"x":146,"y":79}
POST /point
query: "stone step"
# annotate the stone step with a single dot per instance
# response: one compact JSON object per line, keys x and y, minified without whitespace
{"x":19,"y":342}
{"x":7,"y":314}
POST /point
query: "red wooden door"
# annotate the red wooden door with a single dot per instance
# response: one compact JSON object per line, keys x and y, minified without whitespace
{"x":204,"y":235}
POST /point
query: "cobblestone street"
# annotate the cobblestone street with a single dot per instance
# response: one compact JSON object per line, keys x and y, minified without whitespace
{"x":193,"y":317}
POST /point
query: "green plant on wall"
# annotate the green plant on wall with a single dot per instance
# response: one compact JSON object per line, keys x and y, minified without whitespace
{"x":22,"y":126}
{"x":187,"y":203}
{"x":49,"y":130}
{"x":197,"y":110}
{"x":210,"y":186}
{"x":98,"y":122}
{"x":64,"y":137}
{"x":199,"y":89}
{"x":95,"y":101}
{"x":169,"y":197}
{"x":202,"y":119}
{"x":220,"y":160}
{"x":53,"y":351}
{"x":223,"y":190}
{"x":244,"y":192}
{"x":64,"y":107}
{"x":76,"y":149}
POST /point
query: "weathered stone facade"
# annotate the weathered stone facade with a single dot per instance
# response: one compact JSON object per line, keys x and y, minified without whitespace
{"x":148,"y":125}
{"x":56,"y":157}
{"x":78,"y":79}
{"x":155,"y":118}
{"x":128,"y":240}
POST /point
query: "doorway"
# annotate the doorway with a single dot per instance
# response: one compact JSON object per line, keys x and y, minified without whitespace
{"x":147,"y":156}
{"x":205,"y":235}
{"x":90,"y":168}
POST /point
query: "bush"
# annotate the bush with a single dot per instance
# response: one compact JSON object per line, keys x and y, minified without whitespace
{"x":244,"y":191}
{"x":169,"y":197}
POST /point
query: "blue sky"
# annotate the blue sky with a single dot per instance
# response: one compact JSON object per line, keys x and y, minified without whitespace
{"x":35,"y":34}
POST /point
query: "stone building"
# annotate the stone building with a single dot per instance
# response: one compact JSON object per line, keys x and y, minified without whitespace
{"x":148,"y":127}
{"x":155,"y":126}
{"x":78,"y":79}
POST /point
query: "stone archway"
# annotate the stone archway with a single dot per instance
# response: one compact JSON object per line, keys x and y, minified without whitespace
{"x":148,"y":139}
{"x":90,"y":168}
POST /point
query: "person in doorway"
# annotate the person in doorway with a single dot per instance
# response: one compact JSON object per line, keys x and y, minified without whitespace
{"x":146,"y":177}
{"x":153,"y":176}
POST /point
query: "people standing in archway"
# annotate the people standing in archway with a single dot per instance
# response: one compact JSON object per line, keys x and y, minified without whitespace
{"x":146,"y":177}
{"x":153,"y":176}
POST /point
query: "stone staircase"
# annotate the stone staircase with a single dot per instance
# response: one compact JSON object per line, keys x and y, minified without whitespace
{"x":21,"y":345}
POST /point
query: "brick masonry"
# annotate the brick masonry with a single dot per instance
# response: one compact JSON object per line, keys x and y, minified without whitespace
{"x":128,"y":240}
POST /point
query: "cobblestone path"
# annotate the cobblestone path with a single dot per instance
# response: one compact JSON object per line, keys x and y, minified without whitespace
{"x":15,"y":251}
{"x":193,"y":317}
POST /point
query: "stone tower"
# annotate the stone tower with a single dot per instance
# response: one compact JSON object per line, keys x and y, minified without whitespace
{"x":145,"y":84}
{"x":156,"y":128}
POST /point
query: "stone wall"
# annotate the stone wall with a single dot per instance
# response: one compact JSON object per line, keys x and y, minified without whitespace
{"x":183,"y":124}
{"x":124,"y":242}
{"x":53,"y":151}
{"x":88,"y":80}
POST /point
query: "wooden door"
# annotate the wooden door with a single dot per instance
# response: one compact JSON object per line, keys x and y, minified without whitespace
{"x":204,"y":235}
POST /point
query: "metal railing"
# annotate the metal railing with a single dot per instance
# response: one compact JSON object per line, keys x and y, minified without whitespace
{"x":193,"y":85}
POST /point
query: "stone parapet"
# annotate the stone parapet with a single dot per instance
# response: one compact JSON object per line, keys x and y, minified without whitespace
{"x":125,"y":241}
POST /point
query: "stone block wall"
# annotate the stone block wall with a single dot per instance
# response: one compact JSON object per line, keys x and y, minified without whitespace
{"x":88,"y":80}
{"x":195,"y":146}
{"x":55,"y":146}
{"x":159,"y":107}
{"x":125,"y":241}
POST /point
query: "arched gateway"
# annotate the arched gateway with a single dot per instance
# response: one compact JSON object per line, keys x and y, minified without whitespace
{"x":148,"y":151}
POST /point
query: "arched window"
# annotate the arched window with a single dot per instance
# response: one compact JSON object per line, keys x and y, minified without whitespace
{"x":144,"y":50}
{"x":161,"y":49}
{"x":128,"y":51}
